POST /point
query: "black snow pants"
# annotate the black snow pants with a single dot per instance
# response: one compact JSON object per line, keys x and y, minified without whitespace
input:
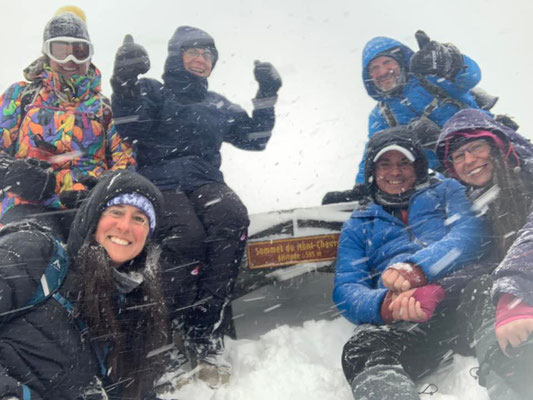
{"x":203,"y":240}
{"x":383,"y":361}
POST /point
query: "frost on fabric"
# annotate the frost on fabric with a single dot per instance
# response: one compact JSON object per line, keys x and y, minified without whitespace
{"x":402,"y":267}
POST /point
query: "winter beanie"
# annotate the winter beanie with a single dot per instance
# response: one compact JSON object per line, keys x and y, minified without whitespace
{"x":67,"y":24}
{"x":139,"y":201}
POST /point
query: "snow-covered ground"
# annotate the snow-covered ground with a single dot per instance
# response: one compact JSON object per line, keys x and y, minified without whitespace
{"x":303,"y":363}
{"x":320,"y":132}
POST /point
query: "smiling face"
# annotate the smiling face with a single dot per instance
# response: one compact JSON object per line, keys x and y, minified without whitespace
{"x":385,"y":72}
{"x":472,"y":163}
{"x":122,"y":231}
{"x":70,"y":68}
{"x":395,"y":174}
{"x":198,"y":61}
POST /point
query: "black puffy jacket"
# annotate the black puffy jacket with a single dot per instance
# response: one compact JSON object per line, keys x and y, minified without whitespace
{"x":43,"y":354}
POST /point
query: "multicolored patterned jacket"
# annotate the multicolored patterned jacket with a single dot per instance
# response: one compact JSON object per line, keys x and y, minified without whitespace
{"x":66,"y":122}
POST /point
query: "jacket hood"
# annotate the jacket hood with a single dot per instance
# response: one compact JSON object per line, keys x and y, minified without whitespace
{"x":184,"y":37}
{"x":109,"y":186}
{"x":374,"y":48}
{"x":400,"y":136}
{"x":471,"y":119}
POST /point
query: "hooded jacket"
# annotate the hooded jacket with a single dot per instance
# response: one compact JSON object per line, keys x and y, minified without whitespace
{"x":514,"y":275}
{"x":179,"y":126}
{"x":442,"y":235}
{"x":409,"y":102}
{"x":43,"y":353}
{"x":61,"y":117}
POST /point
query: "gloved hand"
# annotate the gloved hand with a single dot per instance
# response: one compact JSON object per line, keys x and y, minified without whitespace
{"x":429,"y":297}
{"x":434,"y":58}
{"x":72,"y":199}
{"x":268,"y":79}
{"x":30,"y":178}
{"x":130,"y":61}
{"x":426,"y":132}
{"x":358,"y":193}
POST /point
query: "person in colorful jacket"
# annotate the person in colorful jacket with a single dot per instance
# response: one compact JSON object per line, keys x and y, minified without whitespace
{"x":424,"y":88}
{"x":60,"y":116}
{"x":178,"y":128}
{"x":393,"y":254}
{"x":495,"y":164}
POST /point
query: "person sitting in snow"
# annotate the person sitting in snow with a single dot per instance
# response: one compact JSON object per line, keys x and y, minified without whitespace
{"x":494,"y":161}
{"x":423,"y":89}
{"x":178,"y":128}
{"x":57,"y":129}
{"x":393,"y":255}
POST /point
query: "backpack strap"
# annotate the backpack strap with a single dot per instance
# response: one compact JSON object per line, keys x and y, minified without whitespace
{"x":53,"y":276}
{"x":84,"y":332}
{"x":439,"y":93}
{"x":387,"y":113}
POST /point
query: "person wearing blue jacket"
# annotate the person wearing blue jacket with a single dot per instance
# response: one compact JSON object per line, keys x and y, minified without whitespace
{"x":178,"y":128}
{"x":424,"y":88}
{"x":392,"y":255}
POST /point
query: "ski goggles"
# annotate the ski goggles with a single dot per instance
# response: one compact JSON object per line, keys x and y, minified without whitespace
{"x":64,"y":49}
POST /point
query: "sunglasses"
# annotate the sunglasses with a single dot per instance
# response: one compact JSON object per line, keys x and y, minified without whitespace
{"x":64,"y":49}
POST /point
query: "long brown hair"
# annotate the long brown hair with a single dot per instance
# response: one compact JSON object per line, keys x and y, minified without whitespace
{"x":509,"y":211}
{"x":132,"y":331}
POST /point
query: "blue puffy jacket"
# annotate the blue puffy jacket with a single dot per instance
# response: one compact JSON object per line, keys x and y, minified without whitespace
{"x":441,"y":237}
{"x":411,"y":102}
{"x":179,"y":126}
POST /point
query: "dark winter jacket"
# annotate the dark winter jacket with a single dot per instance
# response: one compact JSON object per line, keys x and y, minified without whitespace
{"x":43,"y":351}
{"x":411,"y":101}
{"x":179,"y":126}
{"x":441,"y":237}
{"x":514,"y":275}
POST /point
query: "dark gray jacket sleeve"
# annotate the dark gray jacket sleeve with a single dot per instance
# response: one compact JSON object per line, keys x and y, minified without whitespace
{"x":514,"y":275}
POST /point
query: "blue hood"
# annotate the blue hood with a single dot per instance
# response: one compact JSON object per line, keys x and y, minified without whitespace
{"x":372,"y":49}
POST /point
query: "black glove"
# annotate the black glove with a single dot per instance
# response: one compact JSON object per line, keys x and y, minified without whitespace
{"x":72,"y":199}
{"x":435,"y":58}
{"x":426,"y":132}
{"x":268,"y":78}
{"x":130,"y":61}
{"x":30,"y":178}
{"x":358,"y":193}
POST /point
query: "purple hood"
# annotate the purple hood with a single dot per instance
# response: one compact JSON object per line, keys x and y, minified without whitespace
{"x":470,"y":119}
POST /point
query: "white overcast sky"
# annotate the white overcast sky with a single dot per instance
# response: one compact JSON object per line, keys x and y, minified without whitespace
{"x":316,"y":45}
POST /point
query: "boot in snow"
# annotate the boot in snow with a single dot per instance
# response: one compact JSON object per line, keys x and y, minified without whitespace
{"x":382,"y":382}
{"x":213,"y":367}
